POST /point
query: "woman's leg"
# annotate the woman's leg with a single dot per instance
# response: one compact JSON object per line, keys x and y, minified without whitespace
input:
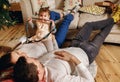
{"x":60,"y":35}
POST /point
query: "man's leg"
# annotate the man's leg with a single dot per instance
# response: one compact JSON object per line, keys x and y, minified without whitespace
{"x":98,"y":41}
{"x":100,"y":37}
{"x":92,"y":48}
{"x":60,"y":35}
{"x":87,"y":29}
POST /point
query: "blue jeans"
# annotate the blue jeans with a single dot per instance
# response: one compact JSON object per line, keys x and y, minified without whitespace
{"x":61,"y":33}
{"x":92,"y":47}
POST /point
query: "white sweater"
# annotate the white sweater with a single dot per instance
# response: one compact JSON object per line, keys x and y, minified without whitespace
{"x":60,"y":71}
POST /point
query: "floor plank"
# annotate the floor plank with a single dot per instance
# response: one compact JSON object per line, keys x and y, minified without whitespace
{"x":108,"y":62}
{"x":10,"y":37}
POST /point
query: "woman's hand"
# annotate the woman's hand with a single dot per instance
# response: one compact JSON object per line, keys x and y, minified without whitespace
{"x":64,"y":55}
{"x":118,"y":22}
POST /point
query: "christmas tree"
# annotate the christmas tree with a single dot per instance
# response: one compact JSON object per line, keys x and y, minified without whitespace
{"x":5,"y":19}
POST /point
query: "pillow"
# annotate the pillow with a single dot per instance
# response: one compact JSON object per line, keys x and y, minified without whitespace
{"x":93,"y":9}
{"x":6,"y":75}
{"x":35,"y":6}
{"x":8,"y":80}
{"x":51,"y":4}
{"x":70,"y":4}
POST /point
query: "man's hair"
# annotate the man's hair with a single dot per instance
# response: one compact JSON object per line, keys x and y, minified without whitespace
{"x":45,"y":9}
{"x":5,"y":61}
{"x":25,"y":72}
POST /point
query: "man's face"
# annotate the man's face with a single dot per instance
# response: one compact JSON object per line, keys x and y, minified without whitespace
{"x":40,"y":68}
{"x":44,"y":16}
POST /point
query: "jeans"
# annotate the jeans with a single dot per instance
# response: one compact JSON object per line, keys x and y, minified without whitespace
{"x":60,"y":35}
{"x":92,"y":47}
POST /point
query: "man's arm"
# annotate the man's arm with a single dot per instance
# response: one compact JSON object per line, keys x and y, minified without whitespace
{"x":83,"y":73}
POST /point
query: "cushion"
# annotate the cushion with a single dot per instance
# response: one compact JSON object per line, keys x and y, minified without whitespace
{"x":59,"y":4}
{"x":93,"y":9}
{"x":36,"y":6}
{"x":84,"y":17}
{"x":51,"y":4}
{"x":70,"y":4}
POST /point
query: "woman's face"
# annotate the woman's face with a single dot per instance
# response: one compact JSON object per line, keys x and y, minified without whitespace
{"x":16,"y":54}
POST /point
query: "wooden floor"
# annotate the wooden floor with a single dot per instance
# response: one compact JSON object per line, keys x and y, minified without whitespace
{"x":108,"y":60}
{"x":10,"y":37}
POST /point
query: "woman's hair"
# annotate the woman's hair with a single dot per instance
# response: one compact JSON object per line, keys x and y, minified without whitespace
{"x":25,"y":72}
{"x":108,"y":10}
{"x":5,"y":61}
{"x":45,"y":9}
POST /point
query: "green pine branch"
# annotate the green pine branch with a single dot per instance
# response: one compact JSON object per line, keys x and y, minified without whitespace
{"x":5,"y":19}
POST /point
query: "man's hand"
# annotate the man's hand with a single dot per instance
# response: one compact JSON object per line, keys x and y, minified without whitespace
{"x":63,"y":55}
{"x":118,"y":22}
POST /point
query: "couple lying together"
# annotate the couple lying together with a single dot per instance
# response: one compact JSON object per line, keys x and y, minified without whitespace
{"x":59,"y":65}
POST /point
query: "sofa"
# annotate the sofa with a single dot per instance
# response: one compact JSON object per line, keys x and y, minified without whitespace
{"x":30,"y":7}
